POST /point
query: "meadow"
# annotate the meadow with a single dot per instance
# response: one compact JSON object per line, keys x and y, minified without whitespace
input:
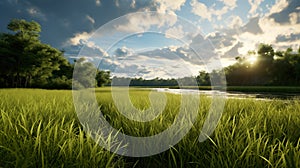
{"x":40,"y":128}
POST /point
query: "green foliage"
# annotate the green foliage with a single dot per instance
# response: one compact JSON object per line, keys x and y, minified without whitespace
{"x":24,"y":29}
{"x":103,"y":78}
{"x":270,"y":68}
{"x":39,"y":128}
{"x":203,"y":78}
{"x":24,"y":60}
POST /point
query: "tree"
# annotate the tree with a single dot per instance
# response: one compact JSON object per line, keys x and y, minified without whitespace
{"x":271,"y":68}
{"x":84,"y":74}
{"x":203,"y":78}
{"x":24,"y":60}
{"x":102,"y":78}
{"x":265,"y":63}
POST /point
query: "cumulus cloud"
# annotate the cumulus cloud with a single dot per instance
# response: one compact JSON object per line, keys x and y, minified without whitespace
{"x":168,"y":5}
{"x":176,"y":32}
{"x":92,"y":49}
{"x":79,"y":38}
{"x":150,"y":67}
{"x":201,"y":10}
{"x":273,"y":28}
{"x":254,"y":6}
{"x":123,"y":52}
{"x":234,"y":22}
{"x":281,"y":11}
{"x":230,"y":3}
{"x":205,"y":12}
{"x":143,"y":22}
{"x":221,"y":40}
{"x":279,"y":5}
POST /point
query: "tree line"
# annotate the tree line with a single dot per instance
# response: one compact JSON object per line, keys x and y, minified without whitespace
{"x":26,"y":62}
{"x":264,"y":67}
{"x":270,"y":68}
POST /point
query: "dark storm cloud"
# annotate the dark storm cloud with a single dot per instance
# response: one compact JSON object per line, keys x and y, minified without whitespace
{"x":284,"y":15}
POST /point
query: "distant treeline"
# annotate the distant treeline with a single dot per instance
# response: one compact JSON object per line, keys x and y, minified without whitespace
{"x":158,"y":82}
{"x":27,"y":62}
{"x":264,"y":67}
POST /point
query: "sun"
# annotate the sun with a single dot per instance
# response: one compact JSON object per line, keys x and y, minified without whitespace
{"x":252,"y":60}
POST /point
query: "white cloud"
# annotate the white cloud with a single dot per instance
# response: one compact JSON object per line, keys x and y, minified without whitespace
{"x":168,"y":5}
{"x":279,"y":6}
{"x":254,"y":6}
{"x":79,"y":38}
{"x":132,"y":5}
{"x":271,"y":28}
{"x":143,"y":22}
{"x":230,"y":3}
{"x":90,"y":19}
{"x":219,"y":13}
{"x":239,"y":39}
{"x":98,"y":2}
{"x":201,"y":10}
{"x":234,"y":22}
{"x":157,"y":66}
{"x":205,"y":12}
{"x":173,"y":48}
{"x":294,"y":17}
{"x":123,"y":52}
{"x":95,"y":50}
{"x":176,"y":32}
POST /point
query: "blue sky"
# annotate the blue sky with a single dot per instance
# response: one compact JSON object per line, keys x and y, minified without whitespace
{"x":177,"y":38}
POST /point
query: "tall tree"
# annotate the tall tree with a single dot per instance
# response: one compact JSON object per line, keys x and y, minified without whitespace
{"x":103,"y":78}
{"x":265,"y":63}
{"x":24,"y":57}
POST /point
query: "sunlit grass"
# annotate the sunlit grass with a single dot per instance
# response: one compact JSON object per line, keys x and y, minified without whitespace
{"x":39,"y":128}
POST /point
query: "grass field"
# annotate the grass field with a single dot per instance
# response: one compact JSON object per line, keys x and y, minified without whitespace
{"x":39,"y":128}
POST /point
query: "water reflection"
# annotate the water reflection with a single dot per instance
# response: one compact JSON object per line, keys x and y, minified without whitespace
{"x":233,"y":94}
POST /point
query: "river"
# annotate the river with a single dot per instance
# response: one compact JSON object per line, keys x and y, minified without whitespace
{"x":231,"y":94}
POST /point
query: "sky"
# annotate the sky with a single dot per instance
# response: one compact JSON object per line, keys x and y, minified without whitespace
{"x":160,"y":38}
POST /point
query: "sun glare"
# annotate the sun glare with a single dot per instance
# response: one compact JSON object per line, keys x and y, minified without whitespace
{"x":252,"y":60}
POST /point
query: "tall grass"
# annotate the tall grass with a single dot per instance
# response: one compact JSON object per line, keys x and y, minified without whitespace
{"x":39,"y":128}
